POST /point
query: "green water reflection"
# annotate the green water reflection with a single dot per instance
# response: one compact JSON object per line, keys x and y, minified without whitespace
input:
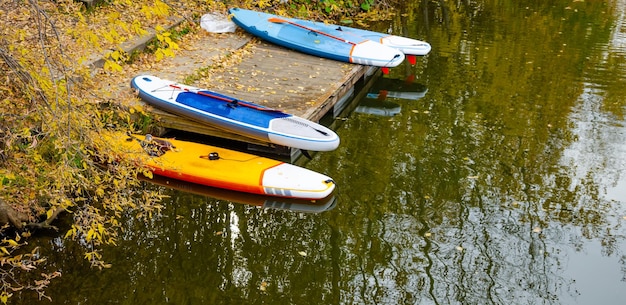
{"x":503,"y":184}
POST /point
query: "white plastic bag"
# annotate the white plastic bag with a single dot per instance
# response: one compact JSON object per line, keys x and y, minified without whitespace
{"x":217,"y":23}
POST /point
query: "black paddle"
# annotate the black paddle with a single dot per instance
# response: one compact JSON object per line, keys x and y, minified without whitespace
{"x":278,"y":20}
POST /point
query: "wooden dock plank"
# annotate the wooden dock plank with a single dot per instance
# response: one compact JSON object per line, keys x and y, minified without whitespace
{"x":288,"y":80}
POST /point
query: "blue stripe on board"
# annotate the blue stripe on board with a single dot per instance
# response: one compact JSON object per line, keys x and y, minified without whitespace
{"x":224,"y":109}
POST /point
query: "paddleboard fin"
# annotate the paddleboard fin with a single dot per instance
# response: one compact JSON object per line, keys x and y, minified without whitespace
{"x":306,"y":154}
{"x":412,"y":59}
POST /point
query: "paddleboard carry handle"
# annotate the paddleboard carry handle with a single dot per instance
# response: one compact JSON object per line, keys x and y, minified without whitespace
{"x":211,"y":156}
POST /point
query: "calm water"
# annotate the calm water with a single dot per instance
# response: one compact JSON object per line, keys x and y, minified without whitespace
{"x":502,"y":180}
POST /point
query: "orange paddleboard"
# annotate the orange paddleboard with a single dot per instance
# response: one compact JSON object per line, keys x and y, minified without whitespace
{"x":221,"y":167}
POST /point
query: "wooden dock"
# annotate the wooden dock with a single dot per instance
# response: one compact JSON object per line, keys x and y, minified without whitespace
{"x":311,"y":87}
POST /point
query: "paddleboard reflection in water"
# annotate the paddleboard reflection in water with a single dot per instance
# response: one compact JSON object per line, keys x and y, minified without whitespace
{"x":266,"y":202}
